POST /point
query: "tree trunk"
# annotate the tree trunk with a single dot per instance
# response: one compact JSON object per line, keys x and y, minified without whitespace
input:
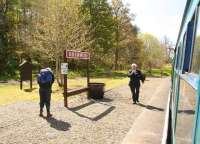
{"x":150,"y":69}
{"x":117,"y":50}
{"x":59,"y":78}
{"x":161,"y":72}
{"x":116,"y":58}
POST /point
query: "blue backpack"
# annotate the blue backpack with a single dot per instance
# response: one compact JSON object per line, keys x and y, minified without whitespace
{"x":45,"y":77}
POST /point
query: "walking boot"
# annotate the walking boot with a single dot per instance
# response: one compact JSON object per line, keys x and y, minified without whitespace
{"x":49,"y":114}
{"x":41,"y":113}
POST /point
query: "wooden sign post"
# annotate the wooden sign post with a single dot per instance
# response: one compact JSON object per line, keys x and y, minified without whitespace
{"x":25,"y":73}
{"x":71,"y":54}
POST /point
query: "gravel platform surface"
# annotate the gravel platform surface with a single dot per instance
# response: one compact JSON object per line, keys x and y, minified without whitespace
{"x":85,"y":122}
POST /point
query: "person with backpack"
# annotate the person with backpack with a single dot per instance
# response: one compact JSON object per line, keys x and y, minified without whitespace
{"x":45,"y":80}
{"x":135,"y":77}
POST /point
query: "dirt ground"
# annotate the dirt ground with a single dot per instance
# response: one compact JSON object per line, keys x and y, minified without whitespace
{"x":85,"y":122}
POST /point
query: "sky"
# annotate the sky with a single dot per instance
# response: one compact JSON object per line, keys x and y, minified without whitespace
{"x":158,"y":17}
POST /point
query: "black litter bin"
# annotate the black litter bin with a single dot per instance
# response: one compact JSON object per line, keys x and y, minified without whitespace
{"x":96,"y":90}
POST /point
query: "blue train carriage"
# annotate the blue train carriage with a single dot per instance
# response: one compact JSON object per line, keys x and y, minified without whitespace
{"x":182,"y":125}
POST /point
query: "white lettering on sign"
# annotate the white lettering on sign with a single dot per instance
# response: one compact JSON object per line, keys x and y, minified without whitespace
{"x":77,"y":55}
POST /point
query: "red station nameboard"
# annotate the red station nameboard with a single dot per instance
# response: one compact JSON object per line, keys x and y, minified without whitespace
{"x":71,"y":54}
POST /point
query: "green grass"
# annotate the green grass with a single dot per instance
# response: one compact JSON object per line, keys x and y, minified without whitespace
{"x":100,"y":73}
{"x":11,"y":93}
{"x":109,"y":74}
{"x":157,"y":72}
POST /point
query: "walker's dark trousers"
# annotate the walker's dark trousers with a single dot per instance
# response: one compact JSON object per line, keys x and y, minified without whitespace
{"x":135,"y":92}
{"x":45,"y":98}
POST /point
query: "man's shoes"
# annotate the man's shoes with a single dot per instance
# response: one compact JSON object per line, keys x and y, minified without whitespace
{"x":41,"y":115}
{"x":138,"y":101}
{"x":49,"y":115}
{"x":134,"y":103}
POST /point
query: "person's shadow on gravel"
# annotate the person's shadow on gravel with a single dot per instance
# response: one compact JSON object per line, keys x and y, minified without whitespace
{"x":58,"y":124}
{"x":150,"y":107}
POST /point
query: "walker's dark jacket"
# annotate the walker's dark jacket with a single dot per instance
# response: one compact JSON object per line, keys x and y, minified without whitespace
{"x":135,"y":78}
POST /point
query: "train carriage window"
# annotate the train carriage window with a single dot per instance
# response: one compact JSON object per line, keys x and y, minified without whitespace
{"x":188,"y":45}
{"x":185,"y":113}
{"x":179,"y":55}
{"x":196,"y":52}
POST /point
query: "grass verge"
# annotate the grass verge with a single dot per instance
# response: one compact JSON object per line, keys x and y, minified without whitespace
{"x":11,"y":93}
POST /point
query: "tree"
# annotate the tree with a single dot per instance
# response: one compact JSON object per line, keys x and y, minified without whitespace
{"x":153,"y":52}
{"x":8,"y":23}
{"x":135,"y":49}
{"x":42,"y":30}
{"x":100,"y":20}
{"x":125,"y":34}
{"x":58,"y":26}
{"x":167,"y":45}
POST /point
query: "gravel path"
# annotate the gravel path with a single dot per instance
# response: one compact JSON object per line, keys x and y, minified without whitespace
{"x":85,"y":122}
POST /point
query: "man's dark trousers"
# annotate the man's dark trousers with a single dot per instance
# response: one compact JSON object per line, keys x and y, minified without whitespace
{"x":135,"y":89}
{"x":45,"y":98}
